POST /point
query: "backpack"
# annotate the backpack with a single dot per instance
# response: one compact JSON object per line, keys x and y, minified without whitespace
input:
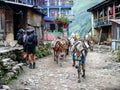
{"x":20,"y":36}
{"x":31,"y":38}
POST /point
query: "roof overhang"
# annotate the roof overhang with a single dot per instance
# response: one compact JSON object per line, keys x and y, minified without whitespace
{"x":37,"y":9}
{"x":115,"y":20}
{"x":48,"y":19}
{"x":21,"y":4}
{"x":103,"y":3}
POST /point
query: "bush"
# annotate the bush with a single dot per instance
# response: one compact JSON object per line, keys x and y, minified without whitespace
{"x":60,"y":29}
{"x":43,"y":51}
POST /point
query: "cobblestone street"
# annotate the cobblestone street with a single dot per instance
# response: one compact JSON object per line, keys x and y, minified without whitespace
{"x":102,"y":73}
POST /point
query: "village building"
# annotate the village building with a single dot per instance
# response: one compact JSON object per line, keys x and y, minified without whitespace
{"x":55,"y":9}
{"x":115,"y":34}
{"x":14,"y":13}
{"x":103,"y":31}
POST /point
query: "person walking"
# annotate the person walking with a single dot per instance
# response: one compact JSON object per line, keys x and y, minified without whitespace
{"x":25,"y":55}
{"x":21,"y":34}
{"x":31,"y":43}
{"x":73,"y":50}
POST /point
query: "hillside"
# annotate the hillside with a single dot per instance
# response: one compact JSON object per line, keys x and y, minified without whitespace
{"x":82,"y":19}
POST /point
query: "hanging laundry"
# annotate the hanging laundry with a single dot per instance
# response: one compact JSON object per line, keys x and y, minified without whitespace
{"x":110,"y":10}
{"x":113,"y":10}
{"x":101,"y":13}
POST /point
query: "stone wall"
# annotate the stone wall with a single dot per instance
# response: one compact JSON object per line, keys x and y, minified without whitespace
{"x":10,"y":65}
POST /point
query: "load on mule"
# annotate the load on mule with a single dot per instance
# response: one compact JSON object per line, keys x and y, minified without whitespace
{"x":80,"y":53}
{"x":60,"y":48}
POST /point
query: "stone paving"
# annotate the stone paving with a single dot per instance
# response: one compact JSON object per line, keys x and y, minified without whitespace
{"x":102,"y":73}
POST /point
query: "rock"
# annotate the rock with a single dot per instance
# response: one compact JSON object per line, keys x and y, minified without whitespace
{"x":10,"y":75}
{"x":3,"y":81}
{"x":1,"y":43}
{"x":27,"y":89}
{"x":16,"y":67}
{"x":6,"y":43}
{"x":6,"y":60}
{"x":5,"y":87}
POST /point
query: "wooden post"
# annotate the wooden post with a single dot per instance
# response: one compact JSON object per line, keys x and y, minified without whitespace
{"x":100,"y":36}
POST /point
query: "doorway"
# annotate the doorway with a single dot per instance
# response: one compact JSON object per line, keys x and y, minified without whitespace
{"x":15,"y":25}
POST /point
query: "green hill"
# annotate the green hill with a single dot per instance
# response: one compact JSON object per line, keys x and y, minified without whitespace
{"x":82,"y":20}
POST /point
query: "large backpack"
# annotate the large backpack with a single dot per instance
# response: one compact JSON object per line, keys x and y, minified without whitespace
{"x":31,"y":38}
{"x":20,"y":36}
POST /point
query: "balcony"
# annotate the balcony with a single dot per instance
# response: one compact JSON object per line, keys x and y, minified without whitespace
{"x":101,"y":23}
{"x":65,"y":3}
{"x":104,"y":21}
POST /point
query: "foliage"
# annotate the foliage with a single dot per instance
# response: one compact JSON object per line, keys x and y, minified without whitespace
{"x":43,"y":51}
{"x":62,"y":19}
{"x":60,"y":29}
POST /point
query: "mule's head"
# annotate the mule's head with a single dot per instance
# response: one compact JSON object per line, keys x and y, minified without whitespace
{"x":78,"y":54}
{"x":77,"y":59}
{"x":57,"y":46}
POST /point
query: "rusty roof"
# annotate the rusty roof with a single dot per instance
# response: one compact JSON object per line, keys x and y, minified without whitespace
{"x":115,"y":20}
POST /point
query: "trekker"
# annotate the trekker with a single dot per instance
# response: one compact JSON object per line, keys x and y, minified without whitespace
{"x":21,"y":39}
{"x":25,"y":55}
{"x":73,"y":51}
{"x":31,"y":42}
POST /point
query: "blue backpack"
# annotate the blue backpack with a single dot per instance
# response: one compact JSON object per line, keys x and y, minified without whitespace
{"x":20,"y":36}
{"x":31,"y":38}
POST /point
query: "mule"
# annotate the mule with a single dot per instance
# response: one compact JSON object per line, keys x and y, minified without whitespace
{"x":60,"y":49}
{"x":80,"y":56}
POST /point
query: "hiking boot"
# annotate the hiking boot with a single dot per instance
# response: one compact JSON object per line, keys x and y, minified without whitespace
{"x":30,"y":65}
{"x":73,"y":63}
{"x":24,"y":62}
{"x":34,"y":65}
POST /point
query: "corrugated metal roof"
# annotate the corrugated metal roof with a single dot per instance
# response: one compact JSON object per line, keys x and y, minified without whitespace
{"x":46,"y":18}
{"x":115,"y":20}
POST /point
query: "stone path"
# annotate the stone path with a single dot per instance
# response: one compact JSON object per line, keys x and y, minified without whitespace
{"x":102,"y":73}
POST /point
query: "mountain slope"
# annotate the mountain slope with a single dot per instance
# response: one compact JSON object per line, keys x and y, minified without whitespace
{"x":82,"y":19}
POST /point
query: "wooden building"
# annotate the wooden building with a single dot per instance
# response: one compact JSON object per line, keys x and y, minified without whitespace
{"x":55,"y":9}
{"x":115,"y":33}
{"x":14,"y":14}
{"x":101,"y":25}
{"x":6,"y":21}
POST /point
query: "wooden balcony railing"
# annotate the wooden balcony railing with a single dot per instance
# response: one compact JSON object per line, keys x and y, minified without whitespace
{"x":102,"y":23}
{"x":105,"y":20}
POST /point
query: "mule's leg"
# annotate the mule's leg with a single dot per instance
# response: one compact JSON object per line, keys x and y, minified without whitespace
{"x":67,"y":51}
{"x":54,"y":55}
{"x":78,"y":75}
{"x":79,"y":72}
{"x":57,"y":59}
{"x":83,"y":69}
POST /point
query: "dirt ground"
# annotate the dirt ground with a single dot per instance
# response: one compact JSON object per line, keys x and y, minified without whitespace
{"x":102,"y":73}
